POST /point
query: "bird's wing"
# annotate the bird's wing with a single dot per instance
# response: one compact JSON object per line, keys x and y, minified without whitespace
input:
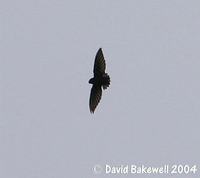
{"x":99,"y":63}
{"x":95,"y":97}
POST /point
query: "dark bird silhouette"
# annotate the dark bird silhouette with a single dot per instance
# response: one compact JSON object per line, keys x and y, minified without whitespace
{"x":100,"y":79}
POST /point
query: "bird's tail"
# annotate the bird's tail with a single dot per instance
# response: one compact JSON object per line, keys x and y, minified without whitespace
{"x":106,"y":81}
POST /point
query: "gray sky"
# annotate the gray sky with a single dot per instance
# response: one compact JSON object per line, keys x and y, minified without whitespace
{"x":149,"y":115}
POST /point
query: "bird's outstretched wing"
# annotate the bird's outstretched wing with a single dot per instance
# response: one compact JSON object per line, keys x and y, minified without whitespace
{"x":99,"y":64}
{"x":95,"y":97}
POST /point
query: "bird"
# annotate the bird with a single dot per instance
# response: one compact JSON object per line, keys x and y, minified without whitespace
{"x":99,"y":81}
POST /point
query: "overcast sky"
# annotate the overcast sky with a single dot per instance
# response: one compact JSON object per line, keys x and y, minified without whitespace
{"x":150,"y":113}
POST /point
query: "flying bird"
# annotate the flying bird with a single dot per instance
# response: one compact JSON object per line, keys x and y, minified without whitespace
{"x":99,"y":81}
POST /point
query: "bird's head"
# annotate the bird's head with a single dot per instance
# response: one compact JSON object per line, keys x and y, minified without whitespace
{"x":91,"y":81}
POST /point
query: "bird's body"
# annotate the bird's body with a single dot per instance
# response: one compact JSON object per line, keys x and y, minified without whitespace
{"x":103,"y":80}
{"x":100,"y":79}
